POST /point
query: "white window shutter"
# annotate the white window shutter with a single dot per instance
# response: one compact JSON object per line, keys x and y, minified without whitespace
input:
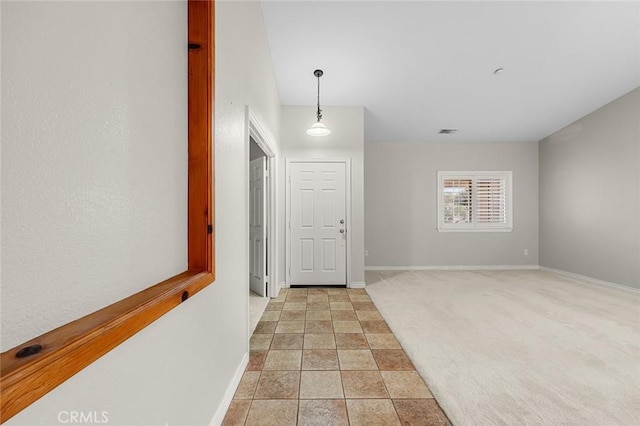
{"x":474,"y":201}
{"x":491,"y":200}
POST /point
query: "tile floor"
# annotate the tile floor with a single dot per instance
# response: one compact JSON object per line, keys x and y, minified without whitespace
{"x":325,"y":356}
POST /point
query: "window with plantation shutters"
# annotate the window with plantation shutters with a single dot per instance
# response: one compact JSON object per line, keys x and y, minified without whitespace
{"x":474,"y":201}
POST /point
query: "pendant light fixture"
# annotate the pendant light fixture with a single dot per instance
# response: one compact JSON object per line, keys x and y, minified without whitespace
{"x":318,"y":129}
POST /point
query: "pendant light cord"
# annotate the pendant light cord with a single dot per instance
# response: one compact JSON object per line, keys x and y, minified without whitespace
{"x":319,"y":113}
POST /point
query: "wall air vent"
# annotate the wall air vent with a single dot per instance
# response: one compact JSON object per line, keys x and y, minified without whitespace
{"x":447,"y":131}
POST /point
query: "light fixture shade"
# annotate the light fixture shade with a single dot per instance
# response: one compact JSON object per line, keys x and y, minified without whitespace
{"x":318,"y":129}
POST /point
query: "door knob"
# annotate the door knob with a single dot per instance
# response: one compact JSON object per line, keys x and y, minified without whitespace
{"x":342,"y":231}
{"x":342,"y":221}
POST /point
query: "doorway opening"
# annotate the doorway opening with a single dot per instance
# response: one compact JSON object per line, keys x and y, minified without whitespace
{"x":261,"y":220}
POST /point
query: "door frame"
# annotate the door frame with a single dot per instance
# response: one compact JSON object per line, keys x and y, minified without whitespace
{"x":347,"y":163}
{"x":255,"y":131}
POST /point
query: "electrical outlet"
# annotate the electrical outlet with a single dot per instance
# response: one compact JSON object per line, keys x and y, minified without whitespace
{"x":366,"y":252}
{"x":526,"y":252}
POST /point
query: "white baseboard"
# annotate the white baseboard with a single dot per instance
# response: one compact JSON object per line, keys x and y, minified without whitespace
{"x":218,"y":417}
{"x":357,"y":284}
{"x":591,"y":280}
{"x":283,"y":284}
{"x":452,"y":268}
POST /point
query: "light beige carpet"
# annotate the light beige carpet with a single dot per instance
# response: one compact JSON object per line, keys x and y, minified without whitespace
{"x":518,"y":347}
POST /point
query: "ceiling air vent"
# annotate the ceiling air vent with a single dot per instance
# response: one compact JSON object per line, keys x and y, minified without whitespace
{"x":447,"y":131}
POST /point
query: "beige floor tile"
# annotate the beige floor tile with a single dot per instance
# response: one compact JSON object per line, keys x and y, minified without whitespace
{"x":265,"y":327}
{"x":318,"y":306}
{"x":343,"y":316}
{"x":319,"y":315}
{"x":274,"y":306}
{"x":383,"y":341}
{"x":347,"y":327}
{"x":420,"y":412}
{"x":364,"y":306}
{"x":287,"y":341}
{"x":322,"y":412}
{"x":320,"y":359}
{"x":293,"y":372}
{"x":247,"y":386}
{"x":356,"y":360}
{"x":320,"y":385}
{"x":281,"y":297}
{"x":318,"y":327}
{"x":292,"y":315}
{"x":405,"y":385}
{"x":351,"y":341}
{"x":272,"y":413}
{"x":341,"y":306}
{"x":278,"y":385}
{"x":270,"y":316}
{"x":319,"y":341}
{"x":283,"y":360}
{"x":368,"y":316}
{"x":359,"y":298}
{"x":294,"y":306}
{"x":340,"y":297}
{"x":363,"y":384}
{"x":256,"y":360}
{"x":375,"y":327}
{"x":316,"y":298}
{"x":290,"y":327}
{"x":392,"y":359}
{"x":296,"y":297}
{"x":372,"y":412}
{"x":260,"y":341}
{"x":237,"y":413}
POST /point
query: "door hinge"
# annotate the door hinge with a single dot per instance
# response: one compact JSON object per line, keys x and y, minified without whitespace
{"x":209,"y":229}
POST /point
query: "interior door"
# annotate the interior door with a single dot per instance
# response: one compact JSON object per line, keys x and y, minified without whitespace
{"x":318,"y":250}
{"x":257,"y":226}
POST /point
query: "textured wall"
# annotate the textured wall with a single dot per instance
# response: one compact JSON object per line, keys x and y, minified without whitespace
{"x":589,"y":194}
{"x":94,"y":157}
{"x":177,"y":370}
{"x":400,"y":205}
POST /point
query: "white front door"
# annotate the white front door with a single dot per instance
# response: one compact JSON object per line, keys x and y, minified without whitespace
{"x":257,"y":226}
{"x":318,"y":250}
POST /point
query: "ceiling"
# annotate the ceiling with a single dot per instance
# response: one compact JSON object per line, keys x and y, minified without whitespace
{"x":421,"y":66}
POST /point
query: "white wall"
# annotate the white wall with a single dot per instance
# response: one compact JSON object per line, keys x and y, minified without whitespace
{"x":590,"y":194}
{"x":400,"y":205}
{"x":345,"y":141}
{"x":94,"y":167}
{"x":177,"y":370}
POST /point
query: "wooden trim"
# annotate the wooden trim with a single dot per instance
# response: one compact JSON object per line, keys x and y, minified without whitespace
{"x":70,"y":348}
{"x":201,"y":62}
{"x":73,"y":346}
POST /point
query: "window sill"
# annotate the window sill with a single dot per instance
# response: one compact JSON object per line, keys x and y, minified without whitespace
{"x":475,"y":229}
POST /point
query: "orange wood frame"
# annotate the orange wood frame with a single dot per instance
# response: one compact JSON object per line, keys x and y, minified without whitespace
{"x":73,"y":346}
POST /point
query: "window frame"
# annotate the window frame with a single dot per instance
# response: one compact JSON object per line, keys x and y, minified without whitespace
{"x":443,"y":175}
